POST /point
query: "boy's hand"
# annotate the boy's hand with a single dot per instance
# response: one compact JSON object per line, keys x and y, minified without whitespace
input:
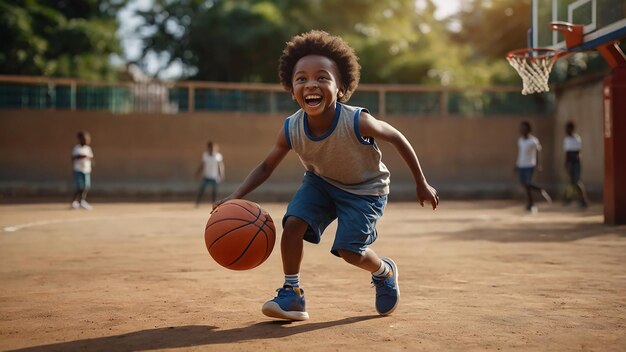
{"x":221,"y":201}
{"x":427,"y":193}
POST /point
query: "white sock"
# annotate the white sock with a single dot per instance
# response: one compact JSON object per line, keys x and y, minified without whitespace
{"x":292,"y":280}
{"x":383,"y":271}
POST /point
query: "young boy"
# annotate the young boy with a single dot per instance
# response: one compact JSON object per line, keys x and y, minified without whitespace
{"x":528,"y":151}
{"x":82,"y":158}
{"x":571,"y":145}
{"x":212,"y":167}
{"x":345,"y":178}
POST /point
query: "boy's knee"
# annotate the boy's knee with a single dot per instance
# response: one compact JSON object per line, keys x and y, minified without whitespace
{"x":294,"y":228}
{"x":348,"y":256}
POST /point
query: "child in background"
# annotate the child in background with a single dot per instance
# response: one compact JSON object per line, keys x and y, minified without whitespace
{"x":572,"y":144}
{"x":345,"y":178}
{"x":82,"y":160}
{"x":212,"y":167}
{"x":528,"y":159}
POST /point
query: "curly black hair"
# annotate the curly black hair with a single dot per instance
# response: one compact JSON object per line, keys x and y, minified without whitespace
{"x":321,"y":43}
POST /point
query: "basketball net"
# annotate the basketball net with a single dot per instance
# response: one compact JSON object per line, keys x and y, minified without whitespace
{"x":534,"y":66}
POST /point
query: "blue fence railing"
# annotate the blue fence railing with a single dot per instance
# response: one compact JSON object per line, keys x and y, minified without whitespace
{"x":17,"y":92}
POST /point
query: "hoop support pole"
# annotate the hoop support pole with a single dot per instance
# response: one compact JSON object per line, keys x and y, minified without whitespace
{"x":614,"y":93}
{"x":613,"y":55}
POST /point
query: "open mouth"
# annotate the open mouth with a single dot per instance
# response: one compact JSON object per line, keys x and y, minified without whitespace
{"x":313,"y":99}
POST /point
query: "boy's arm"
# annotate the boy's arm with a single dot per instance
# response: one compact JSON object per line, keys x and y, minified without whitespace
{"x":539,"y":166}
{"x":371,"y":127}
{"x":263,"y":171}
{"x":221,"y":171}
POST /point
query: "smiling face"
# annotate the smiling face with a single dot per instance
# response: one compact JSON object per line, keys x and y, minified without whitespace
{"x":315,"y":85}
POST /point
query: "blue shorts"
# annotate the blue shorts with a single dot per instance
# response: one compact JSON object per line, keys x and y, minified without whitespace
{"x":525,"y":175}
{"x":83,"y":181}
{"x":318,"y":203}
{"x":573,"y":171}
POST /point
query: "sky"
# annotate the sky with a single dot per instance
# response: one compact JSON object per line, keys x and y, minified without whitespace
{"x":131,"y":42}
{"x":446,"y":8}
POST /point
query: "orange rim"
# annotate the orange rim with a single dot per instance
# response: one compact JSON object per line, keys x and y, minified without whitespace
{"x":535,"y":53}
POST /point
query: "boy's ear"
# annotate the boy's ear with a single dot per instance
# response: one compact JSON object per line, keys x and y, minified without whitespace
{"x":293,"y":97}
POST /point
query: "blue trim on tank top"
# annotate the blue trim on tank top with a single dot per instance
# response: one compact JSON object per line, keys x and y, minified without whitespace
{"x":286,"y":128}
{"x":357,"y":130}
{"x":327,"y":133}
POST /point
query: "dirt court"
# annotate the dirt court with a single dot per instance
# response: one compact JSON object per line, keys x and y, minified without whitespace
{"x":473,"y":276}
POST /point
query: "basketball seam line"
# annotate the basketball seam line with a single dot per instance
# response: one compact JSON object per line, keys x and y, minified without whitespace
{"x":250,"y":244}
{"x":248,"y":210}
{"x":267,"y":245}
{"x":225,"y":219}
{"x":240,"y":227}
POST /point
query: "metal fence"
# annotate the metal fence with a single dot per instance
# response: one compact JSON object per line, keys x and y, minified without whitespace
{"x":22,"y":92}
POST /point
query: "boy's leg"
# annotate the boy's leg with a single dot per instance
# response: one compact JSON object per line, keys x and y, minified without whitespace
{"x":524,"y":179}
{"x":526,"y":176}
{"x":86,"y":186}
{"x":79,"y":181}
{"x":76,"y":199}
{"x":356,"y":230}
{"x":291,"y":245}
{"x":213,"y":190}
{"x":79,"y":184}
{"x":310,"y":211}
{"x":77,"y":195}
{"x":534,"y":187}
{"x":529,"y":197}
{"x":567,"y":195}
{"x":578,"y":185}
{"x":290,"y":304}
{"x":368,"y":261}
{"x":203,"y":186}
{"x":384,"y":277}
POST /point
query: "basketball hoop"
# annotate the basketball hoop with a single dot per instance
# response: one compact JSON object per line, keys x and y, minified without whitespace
{"x":534,"y":66}
{"x":573,"y":32}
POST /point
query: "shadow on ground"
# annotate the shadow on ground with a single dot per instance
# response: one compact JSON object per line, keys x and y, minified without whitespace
{"x":191,"y":335}
{"x":533,"y":232}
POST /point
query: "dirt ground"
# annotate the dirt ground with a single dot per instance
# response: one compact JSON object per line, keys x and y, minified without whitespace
{"x":473,"y":276}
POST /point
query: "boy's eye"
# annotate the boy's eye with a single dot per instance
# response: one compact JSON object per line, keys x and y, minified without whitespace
{"x":299,"y":79}
{"x":322,"y":78}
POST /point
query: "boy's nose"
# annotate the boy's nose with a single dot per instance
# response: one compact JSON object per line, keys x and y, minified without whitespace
{"x":311,"y":83}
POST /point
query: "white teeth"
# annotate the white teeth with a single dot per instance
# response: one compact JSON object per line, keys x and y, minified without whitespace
{"x":313,"y":97}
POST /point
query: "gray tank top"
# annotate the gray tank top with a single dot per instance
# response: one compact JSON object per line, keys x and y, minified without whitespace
{"x":341,"y":156}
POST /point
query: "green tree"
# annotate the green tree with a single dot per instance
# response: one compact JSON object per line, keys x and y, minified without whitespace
{"x":70,"y":38}
{"x":218,"y":40}
{"x":241,"y":40}
{"x":488,"y":30}
{"x":493,"y":28}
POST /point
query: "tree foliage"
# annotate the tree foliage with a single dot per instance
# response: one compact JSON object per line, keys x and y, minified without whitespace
{"x":241,"y":40}
{"x":69,"y":38}
{"x":398,"y":41}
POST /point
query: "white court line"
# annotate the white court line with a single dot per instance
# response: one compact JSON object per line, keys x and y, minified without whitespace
{"x":18,"y":227}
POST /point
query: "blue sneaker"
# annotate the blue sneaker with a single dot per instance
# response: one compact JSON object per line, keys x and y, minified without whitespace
{"x":387,"y":290}
{"x":289,"y":304}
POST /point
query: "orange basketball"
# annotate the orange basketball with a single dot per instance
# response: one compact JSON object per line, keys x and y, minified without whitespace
{"x":240,"y":235}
